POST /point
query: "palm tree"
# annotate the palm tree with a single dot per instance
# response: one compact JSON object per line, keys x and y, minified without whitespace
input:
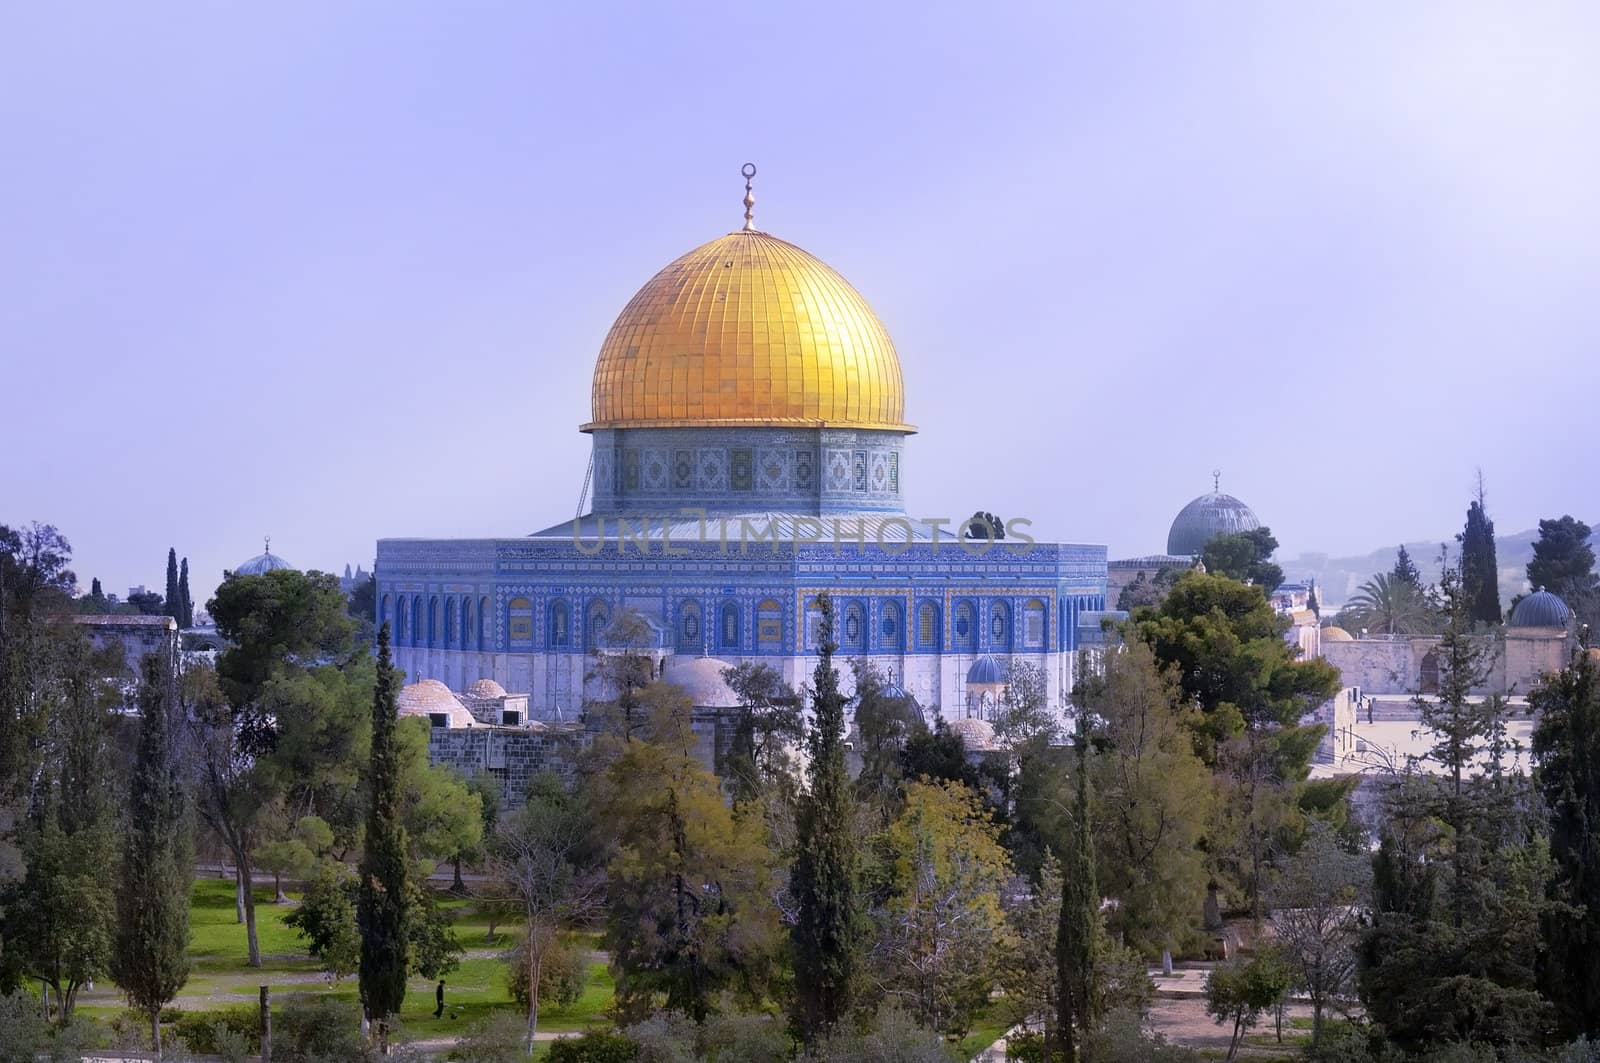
{"x":1393,"y":607}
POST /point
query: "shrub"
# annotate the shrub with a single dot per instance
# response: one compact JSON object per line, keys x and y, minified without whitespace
{"x":744,"y":1039}
{"x":22,"y":1031}
{"x":313,"y":1028}
{"x":563,"y":976}
{"x":894,"y":1037}
{"x":496,"y":1039}
{"x":1122,"y":1038}
{"x":595,"y":1046}
{"x":198,"y":1029}
{"x":665,"y":1038}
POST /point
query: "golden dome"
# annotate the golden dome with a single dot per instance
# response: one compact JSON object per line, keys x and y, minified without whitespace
{"x":748,"y":330}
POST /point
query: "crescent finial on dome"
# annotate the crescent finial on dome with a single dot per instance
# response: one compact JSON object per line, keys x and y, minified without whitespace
{"x":748,"y":171}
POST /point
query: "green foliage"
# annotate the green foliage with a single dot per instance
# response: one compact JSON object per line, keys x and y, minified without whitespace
{"x":497,"y":1038}
{"x":883,"y":724}
{"x":383,"y":907}
{"x":150,"y":959}
{"x":1391,"y":606}
{"x":1078,"y":931}
{"x":1153,"y":799}
{"x":1147,"y":593}
{"x":893,"y":1037}
{"x":326,"y":919}
{"x":174,"y":600}
{"x":1566,"y":748}
{"x":212,"y":1031}
{"x":743,"y":1039}
{"x":1405,"y":571}
{"x":432,"y":950}
{"x":23,"y":1032}
{"x":595,"y":1046}
{"x":940,"y":931}
{"x":1319,"y":897}
{"x":689,"y":913}
{"x":187,"y":619}
{"x":1238,"y":991}
{"x":1563,"y":564}
{"x":443,"y":816}
{"x":274,"y":619}
{"x":1246,"y":557}
{"x":315,"y":1028}
{"x":767,"y":719}
{"x":1480,"y":573}
{"x":563,"y":974}
{"x":824,"y":879}
{"x":1121,"y":1038}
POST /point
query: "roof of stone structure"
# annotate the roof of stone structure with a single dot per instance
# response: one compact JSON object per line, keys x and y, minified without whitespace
{"x":485,"y":688}
{"x":429,"y":696}
{"x":975,"y":734}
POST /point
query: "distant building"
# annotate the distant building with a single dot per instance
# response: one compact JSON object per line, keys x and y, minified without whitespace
{"x":135,"y":638}
{"x":1197,"y":523}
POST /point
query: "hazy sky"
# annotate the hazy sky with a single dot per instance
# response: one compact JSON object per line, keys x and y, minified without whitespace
{"x":339,"y":271}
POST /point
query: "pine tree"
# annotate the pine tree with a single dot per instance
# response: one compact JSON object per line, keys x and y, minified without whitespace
{"x":827,"y":930}
{"x":1566,"y":748}
{"x":1405,"y":570}
{"x":187,"y":620}
{"x":174,"y":603}
{"x":1480,"y":573}
{"x":382,"y":911}
{"x":1079,"y":927}
{"x":95,"y":590}
{"x":150,"y":957}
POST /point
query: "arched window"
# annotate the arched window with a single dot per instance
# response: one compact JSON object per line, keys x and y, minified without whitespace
{"x":964,"y":628}
{"x":483,"y":623}
{"x":1033,"y":613}
{"x":519,"y":614}
{"x":730,"y":626}
{"x":689,"y":626}
{"x":417,"y":631}
{"x":397,"y":633}
{"x":433,"y":621}
{"x":560,"y":624}
{"x":891,"y":632}
{"x":813,"y":625}
{"x":927,"y":626}
{"x":853,"y":631}
{"x":769,"y":626}
{"x":467,"y":628}
{"x":999,"y":626}
{"x":448,"y":635}
{"x":596,"y":620}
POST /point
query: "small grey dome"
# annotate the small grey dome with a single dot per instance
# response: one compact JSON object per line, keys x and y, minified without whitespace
{"x":701,"y":678}
{"x":986,"y":670}
{"x":1540,"y":609}
{"x":1206,"y":518}
{"x":267,"y":562}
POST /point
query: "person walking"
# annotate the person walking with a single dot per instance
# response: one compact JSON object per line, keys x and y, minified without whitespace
{"x":438,"y":996}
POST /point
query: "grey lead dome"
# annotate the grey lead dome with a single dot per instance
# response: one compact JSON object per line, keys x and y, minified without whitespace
{"x":1204,"y":519}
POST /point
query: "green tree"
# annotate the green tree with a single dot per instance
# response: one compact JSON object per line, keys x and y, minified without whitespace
{"x":1153,"y":799}
{"x":1405,"y":571}
{"x":538,"y":858}
{"x":1145,"y":592}
{"x":150,"y":960}
{"x":294,"y":852}
{"x":768,"y":718}
{"x":941,"y":933}
{"x":1028,"y":966}
{"x":1246,"y":557}
{"x":147,"y":603}
{"x":884,"y":722}
{"x":1480,"y":572}
{"x":688,"y":882}
{"x":441,"y":813}
{"x":326,"y":919}
{"x":382,"y":911}
{"x":1078,"y":931}
{"x":1319,"y":898}
{"x":1566,"y":749}
{"x":173,"y":602}
{"x":1563,"y":564}
{"x":1391,"y":606}
{"x":187,"y":619}
{"x":1239,"y":991}
{"x":825,"y":877}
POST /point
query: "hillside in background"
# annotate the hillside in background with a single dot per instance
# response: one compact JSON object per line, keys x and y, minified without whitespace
{"x":1338,"y":577}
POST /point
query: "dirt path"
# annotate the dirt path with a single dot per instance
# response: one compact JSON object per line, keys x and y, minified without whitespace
{"x":1183,"y":1020}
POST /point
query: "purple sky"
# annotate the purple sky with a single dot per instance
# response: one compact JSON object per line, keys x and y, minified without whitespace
{"x":340,"y":271}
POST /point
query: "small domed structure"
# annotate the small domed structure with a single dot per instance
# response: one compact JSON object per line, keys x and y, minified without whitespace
{"x":701,"y":678}
{"x":266,"y":561}
{"x":1204,"y":519}
{"x":986,"y":670}
{"x":433,"y":701}
{"x":975,"y":734}
{"x":486,"y":688}
{"x":1540,"y":609}
{"x":1335,"y":633}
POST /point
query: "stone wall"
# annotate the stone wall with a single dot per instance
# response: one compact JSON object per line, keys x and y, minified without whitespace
{"x":1379,"y":666}
{"x":513,"y":755}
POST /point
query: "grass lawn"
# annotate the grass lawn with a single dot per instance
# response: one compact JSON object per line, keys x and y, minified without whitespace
{"x":987,"y":1026}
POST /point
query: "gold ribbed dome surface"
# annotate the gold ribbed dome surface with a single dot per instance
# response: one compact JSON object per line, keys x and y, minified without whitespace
{"x":748,"y":330}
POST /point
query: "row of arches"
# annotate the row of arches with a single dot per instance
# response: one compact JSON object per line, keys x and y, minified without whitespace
{"x":463,"y":622}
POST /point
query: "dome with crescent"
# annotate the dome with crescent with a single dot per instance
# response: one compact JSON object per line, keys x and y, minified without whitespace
{"x":748,"y":330}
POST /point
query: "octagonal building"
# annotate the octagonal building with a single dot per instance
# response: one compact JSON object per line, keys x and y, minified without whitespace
{"x":750,"y":451}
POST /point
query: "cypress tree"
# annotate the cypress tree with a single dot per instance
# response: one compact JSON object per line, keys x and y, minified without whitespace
{"x":187,"y":619}
{"x":826,"y":933}
{"x":1480,"y":574}
{"x":150,"y":958}
{"x":95,"y":590}
{"x":1078,"y":929}
{"x":382,"y":914}
{"x":174,"y":605}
